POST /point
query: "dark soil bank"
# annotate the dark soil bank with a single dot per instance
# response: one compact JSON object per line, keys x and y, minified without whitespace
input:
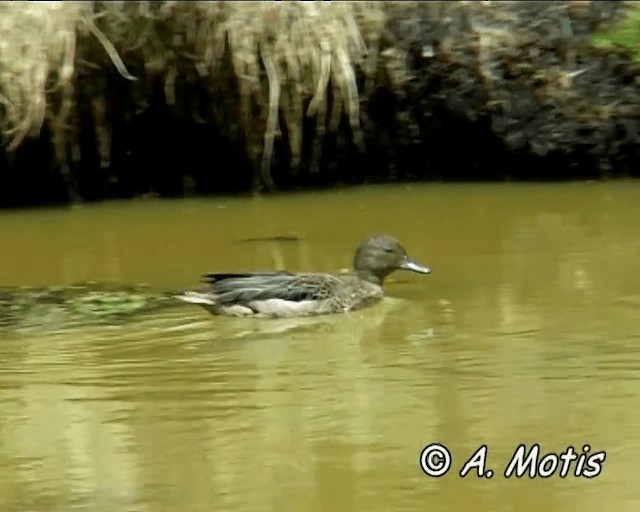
{"x":458,"y":91}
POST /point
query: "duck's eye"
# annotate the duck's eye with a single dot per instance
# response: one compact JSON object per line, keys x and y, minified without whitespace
{"x":388,"y":251}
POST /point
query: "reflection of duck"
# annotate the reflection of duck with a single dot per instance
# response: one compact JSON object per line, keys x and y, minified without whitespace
{"x":286,"y":294}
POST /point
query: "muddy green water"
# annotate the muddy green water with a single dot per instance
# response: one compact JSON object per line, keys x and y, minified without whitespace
{"x":528,"y":331}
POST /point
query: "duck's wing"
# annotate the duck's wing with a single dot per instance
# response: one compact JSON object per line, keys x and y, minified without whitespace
{"x":242,"y":288}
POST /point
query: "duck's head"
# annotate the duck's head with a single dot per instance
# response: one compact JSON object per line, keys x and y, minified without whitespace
{"x":376,"y":258}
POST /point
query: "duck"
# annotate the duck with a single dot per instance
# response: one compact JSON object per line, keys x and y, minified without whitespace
{"x":283,"y":294}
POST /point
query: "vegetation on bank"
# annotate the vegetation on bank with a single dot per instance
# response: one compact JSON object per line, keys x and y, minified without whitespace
{"x":117,"y":99}
{"x":623,"y":36}
{"x":253,"y":70}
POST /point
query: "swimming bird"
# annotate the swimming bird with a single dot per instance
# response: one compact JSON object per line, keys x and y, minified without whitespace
{"x":282,"y":294}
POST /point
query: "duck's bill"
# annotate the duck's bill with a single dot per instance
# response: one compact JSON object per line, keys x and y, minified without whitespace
{"x":414,"y":266}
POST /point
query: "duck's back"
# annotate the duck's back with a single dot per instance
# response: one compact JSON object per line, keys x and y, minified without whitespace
{"x":285,"y":294}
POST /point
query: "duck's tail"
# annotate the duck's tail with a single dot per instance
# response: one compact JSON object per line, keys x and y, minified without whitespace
{"x":203,"y":299}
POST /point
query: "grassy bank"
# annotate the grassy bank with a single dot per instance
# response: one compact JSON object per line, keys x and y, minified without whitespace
{"x":120,"y":99}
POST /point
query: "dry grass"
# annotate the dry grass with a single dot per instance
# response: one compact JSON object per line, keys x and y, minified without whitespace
{"x":285,"y":57}
{"x":266,"y":67}
{"x":37,"y":51}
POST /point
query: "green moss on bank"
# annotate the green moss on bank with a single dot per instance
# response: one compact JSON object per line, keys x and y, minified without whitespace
{"x":623,"y":36}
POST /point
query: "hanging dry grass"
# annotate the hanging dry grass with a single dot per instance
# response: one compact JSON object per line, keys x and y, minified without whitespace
{"x":285,"y":57}
{"x":303,"y":47}
{"x":37,"y":51}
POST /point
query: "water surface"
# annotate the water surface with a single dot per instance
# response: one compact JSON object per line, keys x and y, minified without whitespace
{"x":526,"y":332}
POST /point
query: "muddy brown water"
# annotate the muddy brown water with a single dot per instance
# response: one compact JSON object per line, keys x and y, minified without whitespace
{"x":528,"y":331}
